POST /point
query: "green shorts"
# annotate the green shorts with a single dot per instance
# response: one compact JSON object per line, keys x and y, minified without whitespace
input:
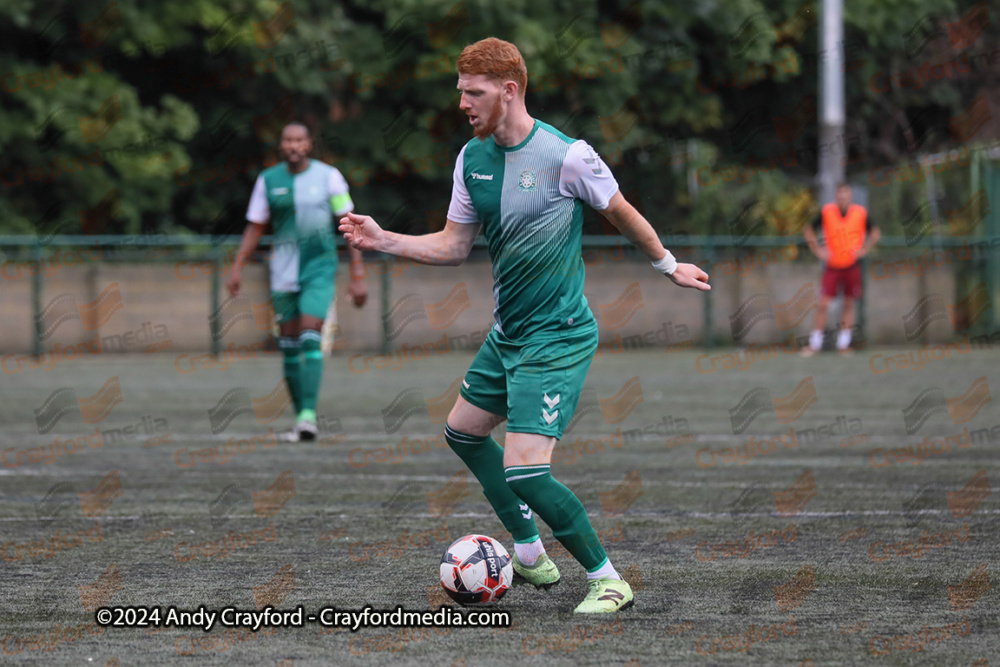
{"x":536,"y":384}
{"x":314,"y":295}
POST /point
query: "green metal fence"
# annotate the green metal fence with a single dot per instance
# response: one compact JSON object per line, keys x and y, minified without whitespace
{"x":708,"y":251}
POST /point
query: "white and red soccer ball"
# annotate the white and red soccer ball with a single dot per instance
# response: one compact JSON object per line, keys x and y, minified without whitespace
{"x":476,"y":570}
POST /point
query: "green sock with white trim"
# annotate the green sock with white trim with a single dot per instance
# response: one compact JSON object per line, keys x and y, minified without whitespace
{"x":291,"y":351}
{"x":484,"y":457}
{"x":561,"y":510}
{"x":312,"y":368}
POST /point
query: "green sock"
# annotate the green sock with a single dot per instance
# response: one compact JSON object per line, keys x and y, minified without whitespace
{"x":484,"y":457}
{"x":312,"y":368}
{"x":561,"y":509}
{"x":291,"y":349}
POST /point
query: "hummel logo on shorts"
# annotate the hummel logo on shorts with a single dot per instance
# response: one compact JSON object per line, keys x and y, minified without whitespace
{"x":550,"y":417}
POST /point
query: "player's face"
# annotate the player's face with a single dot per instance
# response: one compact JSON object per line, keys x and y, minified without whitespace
{"x":295,"y":144}
{"x":843,"y":197}
{"x":482,"y":101}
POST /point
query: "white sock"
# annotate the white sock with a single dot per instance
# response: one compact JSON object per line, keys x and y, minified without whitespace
{"x":606,"y":571}
{"x":844,"y":339}
{"x":529,"y":552}
{"x":816,"y":339}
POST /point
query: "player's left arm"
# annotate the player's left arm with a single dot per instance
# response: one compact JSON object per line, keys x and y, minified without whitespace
{"x":637,"y":229}
{"x":586,"y":177}
{"x":871,"y":238}
{"x":341,"y":204}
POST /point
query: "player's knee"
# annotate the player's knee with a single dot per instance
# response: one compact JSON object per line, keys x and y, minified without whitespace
{"x":523,"y":449}
{"x":467,"y":418}
{"x":457,"y":423}
{"x":467,"y":445}
{"x":458,"y":436}
{"x":454,"y":419}
{"x":311,"y":324}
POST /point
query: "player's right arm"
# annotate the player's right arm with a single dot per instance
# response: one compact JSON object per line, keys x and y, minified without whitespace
{"x":258,"y":214}
{"x":449,"y":247}
{"x":809,"y":232}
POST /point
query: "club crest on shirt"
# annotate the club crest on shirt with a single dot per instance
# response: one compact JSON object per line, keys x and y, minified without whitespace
{"x":527,"y":180}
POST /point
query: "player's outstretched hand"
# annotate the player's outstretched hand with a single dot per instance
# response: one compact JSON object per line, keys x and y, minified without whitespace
{"x":361,"y":231}
{"x":689,"y":275}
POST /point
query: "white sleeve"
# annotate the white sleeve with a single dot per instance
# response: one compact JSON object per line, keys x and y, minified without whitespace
{"x":461,"y":210}
{"x":585,"y":176}
{"x":258,"y":211}
{"x":340,"y":195}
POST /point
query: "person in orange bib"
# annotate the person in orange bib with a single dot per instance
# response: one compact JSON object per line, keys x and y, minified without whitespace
{"x":848,"y":235}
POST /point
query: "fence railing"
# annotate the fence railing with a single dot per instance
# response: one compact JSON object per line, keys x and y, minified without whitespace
{"x":31,"y":254}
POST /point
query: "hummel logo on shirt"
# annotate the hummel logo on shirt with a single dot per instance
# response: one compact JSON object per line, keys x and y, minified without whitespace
{"x":482,"y":177}
{"x":279,"y":191}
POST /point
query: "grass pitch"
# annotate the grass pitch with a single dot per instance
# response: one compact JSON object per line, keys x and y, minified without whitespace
{"x":790,"y":547}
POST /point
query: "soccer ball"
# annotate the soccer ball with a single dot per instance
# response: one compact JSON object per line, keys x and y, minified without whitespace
{"x":476,"y":570}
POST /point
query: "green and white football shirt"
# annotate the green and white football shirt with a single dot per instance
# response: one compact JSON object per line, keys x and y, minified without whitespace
{"x":301,"y":209}
{"x":529,"y":199}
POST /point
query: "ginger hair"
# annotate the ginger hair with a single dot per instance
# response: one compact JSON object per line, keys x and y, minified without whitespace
{"x":498,"y":60}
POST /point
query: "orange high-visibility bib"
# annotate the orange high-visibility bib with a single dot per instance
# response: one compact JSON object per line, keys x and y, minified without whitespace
{"x":845,"y":235}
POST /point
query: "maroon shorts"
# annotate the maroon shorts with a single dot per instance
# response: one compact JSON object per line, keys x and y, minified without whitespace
{"x":850,"y":278}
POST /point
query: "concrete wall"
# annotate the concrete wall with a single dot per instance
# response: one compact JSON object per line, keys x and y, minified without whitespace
{"x":170,"y":300}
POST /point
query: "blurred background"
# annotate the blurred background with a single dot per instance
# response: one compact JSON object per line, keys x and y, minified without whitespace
{"x":131,"y":137}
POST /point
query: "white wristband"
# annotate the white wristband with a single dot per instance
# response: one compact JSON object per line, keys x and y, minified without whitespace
{"x":666,"y":265}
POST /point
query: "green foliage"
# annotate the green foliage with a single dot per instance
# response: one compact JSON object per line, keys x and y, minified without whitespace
{"x":164,"y":113}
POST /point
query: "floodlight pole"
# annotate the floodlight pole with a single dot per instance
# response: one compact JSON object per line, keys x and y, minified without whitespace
{"x":832,"y":149}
